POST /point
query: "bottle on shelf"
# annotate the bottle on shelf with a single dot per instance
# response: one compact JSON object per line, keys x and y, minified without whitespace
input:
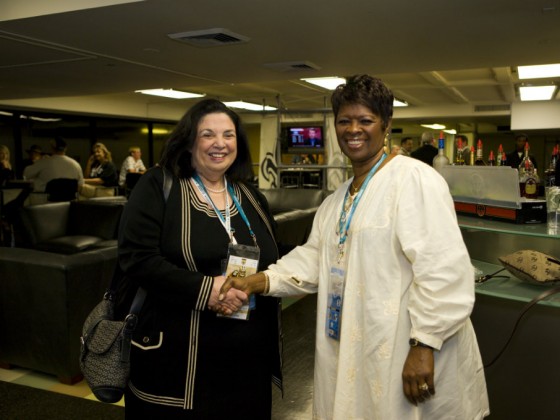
{"x":472,"y":156}
{"x":499,"y":156}
{"x":459,"y":159}
{"x":550,"y":172}
{"x":440,"y":160}
{"x":491,"y":159}
{"x":479,"y":161}
{"x":504,"y":160}
{"x":528,"y":177}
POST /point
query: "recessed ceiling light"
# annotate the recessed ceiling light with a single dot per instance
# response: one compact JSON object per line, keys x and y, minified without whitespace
{"x":536,"y":93}
{"x":249,"y":106}
{"x":538,"y":72}
{"x":399,"y":103}
{"x":330,"y":83}
{"x":170,"y":93}
{"x":434,"y":126}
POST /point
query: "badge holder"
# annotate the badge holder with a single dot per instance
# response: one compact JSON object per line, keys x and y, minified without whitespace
{"x":335,"y":299}
{"x":242,"y":261}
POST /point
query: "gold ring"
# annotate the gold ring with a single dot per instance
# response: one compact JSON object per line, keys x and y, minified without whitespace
{"x":423,"y":387}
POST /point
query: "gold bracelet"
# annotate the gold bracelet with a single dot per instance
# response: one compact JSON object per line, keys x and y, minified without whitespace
{"x":266,"y":284}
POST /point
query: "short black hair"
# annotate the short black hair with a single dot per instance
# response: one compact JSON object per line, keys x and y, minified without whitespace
{"x":405,"y":139}
{"x":368,"y":91}
{"x":177,"y":153}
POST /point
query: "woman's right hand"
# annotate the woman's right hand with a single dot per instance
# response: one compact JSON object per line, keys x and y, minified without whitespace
{"x":226,"y":302}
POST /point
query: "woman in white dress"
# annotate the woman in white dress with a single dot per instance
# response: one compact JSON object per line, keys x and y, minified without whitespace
{"x":394,"y":281}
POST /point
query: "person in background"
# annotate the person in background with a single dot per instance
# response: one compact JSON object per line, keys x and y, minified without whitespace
{"x":515,"y":157}
{"x":407,"y":145}
{"x":312,"y":138}
{"x":464,"y":148}
{"x":393,"y":336}
{"x":132,"y":164}
{"x":6,"y":171}
{"x":427,"y":151}
{"x":58,"y":165}
{"x":176,"y":250}
{"x":100,"y":172}
{"x":34,"y":153}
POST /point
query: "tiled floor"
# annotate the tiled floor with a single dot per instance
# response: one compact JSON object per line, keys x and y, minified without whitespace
{"x":299,"y":338}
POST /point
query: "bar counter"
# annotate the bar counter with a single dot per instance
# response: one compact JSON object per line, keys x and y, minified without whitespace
{"x":524,"y":382}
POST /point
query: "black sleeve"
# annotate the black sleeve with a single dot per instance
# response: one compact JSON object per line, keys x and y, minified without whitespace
{"x":144,"y":242}
{"x":109,"y":175}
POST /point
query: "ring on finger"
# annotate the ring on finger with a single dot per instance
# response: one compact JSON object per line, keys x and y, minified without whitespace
{"x":423,"y":387}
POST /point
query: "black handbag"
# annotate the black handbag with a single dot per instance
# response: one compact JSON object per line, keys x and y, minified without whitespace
{"x":105,"y":349}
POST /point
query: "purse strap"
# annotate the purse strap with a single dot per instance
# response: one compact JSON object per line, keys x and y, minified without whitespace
{"x":529,"y":305}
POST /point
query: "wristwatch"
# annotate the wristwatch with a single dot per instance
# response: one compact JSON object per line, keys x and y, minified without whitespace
{"x":415,"y":343}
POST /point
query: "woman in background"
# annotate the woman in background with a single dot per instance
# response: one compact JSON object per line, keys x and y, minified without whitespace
{"x":100,"y":172}
{"x":6,"y":171}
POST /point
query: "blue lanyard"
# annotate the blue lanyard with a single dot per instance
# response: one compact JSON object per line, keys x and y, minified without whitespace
{"x":242,"y":213}
{"x":345,"y":220}
{"x":226,"y":222}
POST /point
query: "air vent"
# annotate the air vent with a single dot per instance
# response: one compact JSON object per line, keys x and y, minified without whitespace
{"x":487,"y":108}
{"x":292,"y":66}
{"x":210,"y":37}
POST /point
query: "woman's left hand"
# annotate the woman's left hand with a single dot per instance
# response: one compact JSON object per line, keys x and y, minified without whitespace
{"x":418,"y":374}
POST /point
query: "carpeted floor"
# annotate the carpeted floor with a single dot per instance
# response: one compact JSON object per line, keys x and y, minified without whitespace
{"x":19,"y":402}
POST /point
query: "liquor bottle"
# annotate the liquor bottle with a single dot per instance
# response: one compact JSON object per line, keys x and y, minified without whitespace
{"x":440,"y":160}
{"x":504,"y":159}
{"x":459,"y":159}
{"x":528,"y":177}
{"x":472,"y":156}
{"x":550,"y":172}
{"x":479,"y":160}
{"x":491,"y":159}
{"x":499,"y":156}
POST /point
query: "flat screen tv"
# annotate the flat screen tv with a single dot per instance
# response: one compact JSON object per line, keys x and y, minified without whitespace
{"x":305,"y":137}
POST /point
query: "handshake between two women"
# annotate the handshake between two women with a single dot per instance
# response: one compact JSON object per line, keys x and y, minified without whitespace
{"x":231,"y":293}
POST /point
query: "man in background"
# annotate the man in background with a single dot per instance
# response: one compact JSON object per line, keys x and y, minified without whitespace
{"x":515,"y":157}
{"x":132,"y":164}
{"x":406,"y":146}
{"x":56,"y":166}
{"x":427,"y":151}
{"x":34,"y":153}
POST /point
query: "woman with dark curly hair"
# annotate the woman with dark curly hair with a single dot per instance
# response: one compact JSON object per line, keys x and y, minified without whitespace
{"x":394,"y":281}
{"x":178,"y":249}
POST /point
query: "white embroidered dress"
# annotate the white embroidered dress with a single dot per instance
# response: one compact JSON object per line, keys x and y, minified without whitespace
{"x":408,"y":275}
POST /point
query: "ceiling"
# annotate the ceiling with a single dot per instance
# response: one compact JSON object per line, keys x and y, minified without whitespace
{"x":450,"y":60}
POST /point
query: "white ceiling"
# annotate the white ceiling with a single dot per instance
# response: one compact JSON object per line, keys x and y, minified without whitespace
{"x":451,"y":59}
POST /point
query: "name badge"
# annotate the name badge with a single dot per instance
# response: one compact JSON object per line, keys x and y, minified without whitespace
{"x":335,"y":301}
{"x":242,"y":261}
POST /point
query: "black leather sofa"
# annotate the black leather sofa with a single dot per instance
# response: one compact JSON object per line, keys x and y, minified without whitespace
{"x":48,"y":288}
{"x":293,"y":210}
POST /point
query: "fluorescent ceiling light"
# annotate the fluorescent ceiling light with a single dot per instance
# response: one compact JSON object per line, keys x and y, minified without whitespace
{"x":330,"y":83}
{"x":156,"y":131}
{"x":538,"y":72}
{"x":249,"y":106}
{"x":536,"y":93}
{"x":452,"y":131}
{"x":399,"y":103}
{"x":170,"y":93}
{"x":434,"y":126}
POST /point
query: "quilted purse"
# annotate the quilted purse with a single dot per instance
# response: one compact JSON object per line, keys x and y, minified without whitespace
{"x":105,"y":349}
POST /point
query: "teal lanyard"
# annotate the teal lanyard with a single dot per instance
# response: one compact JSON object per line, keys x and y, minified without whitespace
{"x":346,"y":219}
{"x":226,"y":221}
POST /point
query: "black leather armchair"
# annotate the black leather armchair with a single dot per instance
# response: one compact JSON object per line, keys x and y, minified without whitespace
{"x":48,"y":289}
{"x":294,"y":211}
{"x":45,"y":298}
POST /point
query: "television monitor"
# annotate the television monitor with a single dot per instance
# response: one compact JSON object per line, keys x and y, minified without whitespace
{"x":305,"y":137}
